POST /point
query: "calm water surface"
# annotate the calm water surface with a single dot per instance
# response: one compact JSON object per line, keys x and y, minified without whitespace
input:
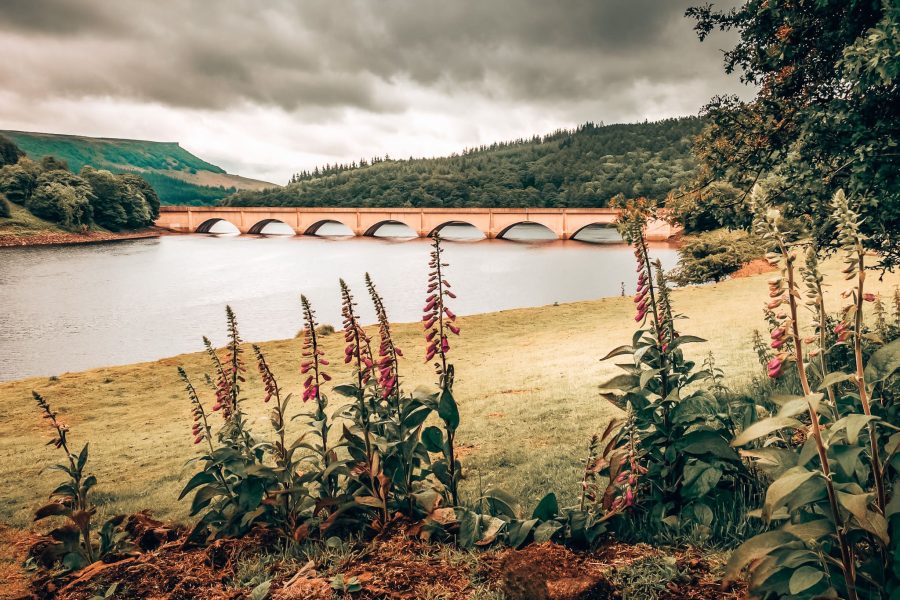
{"x":78,"y":307}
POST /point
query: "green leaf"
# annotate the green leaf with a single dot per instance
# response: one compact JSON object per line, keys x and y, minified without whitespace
{"x":82,"y":458}
{"x":699,"y":479}
{"x":490,"y":532}
{"x":350,"y":391}
{"x":753,"y":549}
{"x":799,"y":405}
{"x":261,"y":592}
{"x":618,"y":352}
{"x":871,"y":521}
{"x":547,"y":508}
{"x":51,"y":509}
{"x":705,"y":441}
{"x":764,"y":428}
{"x":448,"y":411}
{"x":433,"y":438}
{"x":546,"y":530}
{"x":834,"y":378}
{"x":197,"y":480}
{"x":517,"y":532}
{"x":622,"y":382}
{"x":853,"y":424}
{"x":804,"y":578}
{"x":780,"y":489}
{"x":883,"y":363}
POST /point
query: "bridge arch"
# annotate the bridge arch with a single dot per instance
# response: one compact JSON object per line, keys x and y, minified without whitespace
{"x":503,"y":234}
{"x":610,"y":233}
{"x":371,"y":231}
{"x":258,"y":228}
{"x":315,"y":227}
{"x":207,"y":225}
{"x":456,"y":224}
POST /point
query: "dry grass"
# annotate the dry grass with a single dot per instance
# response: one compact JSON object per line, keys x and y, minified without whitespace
{"x":526,"y":382}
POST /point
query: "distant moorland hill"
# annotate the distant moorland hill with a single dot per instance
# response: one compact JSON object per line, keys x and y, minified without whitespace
{"x":178,"y":176}
{"x":584,"y":167}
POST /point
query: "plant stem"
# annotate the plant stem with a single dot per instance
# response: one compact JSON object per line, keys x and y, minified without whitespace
{"x":847,"y":558}
{"x":877,"y":471}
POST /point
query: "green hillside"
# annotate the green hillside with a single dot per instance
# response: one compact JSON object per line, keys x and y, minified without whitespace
{"x":178,"y":176}
{"x":584,"y":167}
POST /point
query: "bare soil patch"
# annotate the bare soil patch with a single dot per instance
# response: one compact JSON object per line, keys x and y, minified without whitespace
{"x":59,"y":238}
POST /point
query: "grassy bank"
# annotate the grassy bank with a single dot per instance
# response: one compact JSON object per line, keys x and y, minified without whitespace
{"x":526,"y":382}
{"x":24,"y":229}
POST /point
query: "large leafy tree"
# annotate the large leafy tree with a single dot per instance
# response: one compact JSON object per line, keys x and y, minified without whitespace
{"x":9,"y":152}
{"x":825,"y":115}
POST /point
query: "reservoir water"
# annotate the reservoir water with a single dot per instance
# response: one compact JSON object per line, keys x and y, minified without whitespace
{"x":70,"y":308}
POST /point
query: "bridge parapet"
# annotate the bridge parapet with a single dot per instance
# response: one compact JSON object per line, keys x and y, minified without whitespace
{"x":565,"y":223}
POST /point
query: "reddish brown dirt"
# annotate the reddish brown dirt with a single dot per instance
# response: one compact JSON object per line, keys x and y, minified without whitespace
{"x":754,"y":267}
{"x":398,"y":568}
{"x":14,"y":544}
{"x":55,"y":239}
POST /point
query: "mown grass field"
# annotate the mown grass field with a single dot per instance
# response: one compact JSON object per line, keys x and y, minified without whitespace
{"x":526,"y":381}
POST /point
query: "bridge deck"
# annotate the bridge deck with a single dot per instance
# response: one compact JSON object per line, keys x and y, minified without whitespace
{"x":493,"y":222}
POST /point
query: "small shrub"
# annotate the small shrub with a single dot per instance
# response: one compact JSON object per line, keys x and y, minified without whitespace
{"x":714,"y":255}
{"x":677,"y":433}
{"x":324,"y":330}
{"x":648,"y":578}
{"x":73,"y":544}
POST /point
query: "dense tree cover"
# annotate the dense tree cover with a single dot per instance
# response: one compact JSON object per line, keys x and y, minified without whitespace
{"x":826,"y":116}
{"x":9,"y":152}
{"x":50,"y":191}
{"x":585,"y":167}
{"x":5,"y":209}
{"x":713,"y":255}
{"x":63,"y":198}
{"x":714,"y":206}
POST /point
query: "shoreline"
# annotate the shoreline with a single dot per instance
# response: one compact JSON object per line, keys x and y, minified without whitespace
{"x":70,"y":239}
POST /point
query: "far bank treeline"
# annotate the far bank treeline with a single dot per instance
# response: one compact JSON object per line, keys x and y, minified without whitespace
{"x":584,"y":167}
{"x":74,"y":202}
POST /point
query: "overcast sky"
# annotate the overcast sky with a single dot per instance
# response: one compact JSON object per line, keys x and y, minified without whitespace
{"x":267,"y":87}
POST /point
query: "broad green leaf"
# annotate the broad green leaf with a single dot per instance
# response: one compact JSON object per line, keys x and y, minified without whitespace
{"x":834,"y":378}
{"x":547,"y":508}
{"x":763,"y":428}
{"x":799,"y":406}
{"x":491,"y":527}
{"x":545,"y":531}
{"x":804,"y":578}
{"x":448,"y":411}
{"x":433,"y":438}
{"x":51,"y":509}
{"x":773,"y":461}
{"x":871,"y":521}
{"x":811,"y":530}
{"x":618,"y":352}
{"x":502,"y":502}
{"x":699,"y":479}
{"x":705,"y":441}
{"x":852,"y":424}
{"x":82,"y":458}
{"x":780,"y":489}
{"x":883,"y":363}
{"x":518,"y":532}
{"x":622,"y":382}
{"x":350,"y":391}
{"x":846,"y":458}
{"x":753,"y":549}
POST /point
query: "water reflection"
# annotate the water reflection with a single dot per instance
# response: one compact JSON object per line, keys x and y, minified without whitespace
{"x":78,"y":307}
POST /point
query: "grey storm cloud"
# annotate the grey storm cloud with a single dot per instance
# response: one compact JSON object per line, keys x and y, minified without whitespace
{"x":337,"y":54}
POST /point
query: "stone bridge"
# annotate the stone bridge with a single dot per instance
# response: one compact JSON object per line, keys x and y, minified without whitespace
{"x":565,"y":223}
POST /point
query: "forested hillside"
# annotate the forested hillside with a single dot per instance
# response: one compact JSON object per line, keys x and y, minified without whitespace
{"x":585,"y":167}
{"x":178,"y":176}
